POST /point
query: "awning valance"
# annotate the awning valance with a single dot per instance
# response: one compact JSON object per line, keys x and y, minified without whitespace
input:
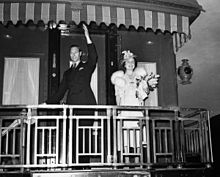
{"x":98,"y":13}
{"x":67,"y":11}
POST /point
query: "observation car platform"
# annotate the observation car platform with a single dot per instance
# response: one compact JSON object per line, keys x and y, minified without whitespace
{"x":51,"y":140}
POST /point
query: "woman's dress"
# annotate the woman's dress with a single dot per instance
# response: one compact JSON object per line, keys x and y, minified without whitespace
{"x":127,"y":92}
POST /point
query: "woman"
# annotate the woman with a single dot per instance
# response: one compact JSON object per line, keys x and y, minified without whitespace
{"x":132,"y":84}
{"x":132,"y":87}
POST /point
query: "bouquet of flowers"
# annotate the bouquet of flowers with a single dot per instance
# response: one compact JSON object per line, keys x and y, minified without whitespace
{"x":145,"y":82}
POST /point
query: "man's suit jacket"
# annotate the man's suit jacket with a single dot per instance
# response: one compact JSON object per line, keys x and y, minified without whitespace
{"x":77,"y":82}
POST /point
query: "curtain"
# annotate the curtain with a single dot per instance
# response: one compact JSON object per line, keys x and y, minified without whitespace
{"x":21,"y":81}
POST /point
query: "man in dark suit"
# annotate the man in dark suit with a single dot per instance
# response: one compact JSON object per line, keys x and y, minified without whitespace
{"x":76,"y":80}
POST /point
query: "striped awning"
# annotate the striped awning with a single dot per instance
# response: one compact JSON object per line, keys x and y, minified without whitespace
{"x":66,"y":11}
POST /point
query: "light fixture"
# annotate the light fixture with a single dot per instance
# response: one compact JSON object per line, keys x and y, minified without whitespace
{"x":185,"y":72}
{"x":52,"y":24}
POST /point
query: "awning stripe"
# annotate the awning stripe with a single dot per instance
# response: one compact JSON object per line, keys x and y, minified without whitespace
{"x":83,"y":13}
{"x":173,"y":22}
{"x":154,"y":20}
{"x":7,"y":11}
{"x":167,"y":22}
{"x":60,"y":12}
{"x":113,"y":15}
{"x":68,"y":13}
{"x":22,"y":11}
{"x":135,"y":17}
{"x":120,"y":16}
{"x":45,"y":12}
{"x":108,"y":14}
{"x":179,"y":23}
{"x":53,"y":11}
{"x":161,"y":21}
{"x":37,"y":12}
{"x":148,"y":19}
{"x":141,"y":17}
{"x":185,"y":23}
{"x":91,"y":13}
{"x":14,"y":12}
{"x":127,"y":17}
{"x":98,"y":14}
{"x":30,"y":9}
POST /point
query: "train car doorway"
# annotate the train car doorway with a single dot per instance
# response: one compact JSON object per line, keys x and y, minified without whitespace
{"x":98,"y":83}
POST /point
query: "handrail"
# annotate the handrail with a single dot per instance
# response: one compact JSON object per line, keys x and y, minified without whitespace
{"x":53,"y":136}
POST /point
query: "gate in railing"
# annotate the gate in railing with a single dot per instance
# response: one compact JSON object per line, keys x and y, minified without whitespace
{"x":48,"y":137}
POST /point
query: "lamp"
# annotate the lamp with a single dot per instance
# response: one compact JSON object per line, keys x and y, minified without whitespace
{"x":185,"y":72}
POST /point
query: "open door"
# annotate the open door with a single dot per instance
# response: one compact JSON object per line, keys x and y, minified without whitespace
{"x":98,"y":83}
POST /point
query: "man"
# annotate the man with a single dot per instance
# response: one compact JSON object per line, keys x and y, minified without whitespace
{"x":76,"y":80}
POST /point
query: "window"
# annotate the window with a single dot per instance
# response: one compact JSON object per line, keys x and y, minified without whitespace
{"x":21,"y":81}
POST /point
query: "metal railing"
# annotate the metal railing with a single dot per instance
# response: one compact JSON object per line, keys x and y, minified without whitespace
{"x":50,"y":137}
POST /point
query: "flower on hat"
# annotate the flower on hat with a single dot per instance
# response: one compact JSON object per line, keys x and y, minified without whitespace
{"x":128,"y":54}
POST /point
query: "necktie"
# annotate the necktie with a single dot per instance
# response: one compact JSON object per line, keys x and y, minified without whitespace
{"x":74,"y":66}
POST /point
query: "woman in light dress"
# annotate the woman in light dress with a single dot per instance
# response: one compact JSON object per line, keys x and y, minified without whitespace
{"x":132,"y":87}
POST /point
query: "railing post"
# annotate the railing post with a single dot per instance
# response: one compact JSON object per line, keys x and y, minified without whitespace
{"x":64,"y":119}
{"x":22,"y":137}
{"x":147,"y":118}
{"x":28,"y":150}
{"x":109,"y":136}
{"x":209,"y":136}
{"x":70,"y":139}
{"x":177,"y":139}
{"x":115,"y":135}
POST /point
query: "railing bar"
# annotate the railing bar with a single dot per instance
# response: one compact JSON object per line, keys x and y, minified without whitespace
{"x":47,"y":117}
{"x":147,"y":119}
{"x":57,"y":132}
{"x":77,"y":140}
{"x":101,"y":142}
{"x":166,"y":140}
{"x":121,"y":138}
{"x":154,"y":141}
{"x":23,"y":129}
{"x":201,"y":138}
{"x":91,"y":131}
{"x":128,"y":133}
{"x":36,"y":142}
{"x":6,"y":144}
{"x":210,"y":138}
{"x":48,"y":128}
{"x":95,"y":131}
{"x":108,"y":136}
{"x":115,"y":131}
{"x":173,"y":124}
{"x":43,"y":141}
{"x":28,"y":137}
{"x":70,"y":140}
{"x":160,"y":139}
{"x":13,"y":141}
{"x":50,"y":141}
{"x":64,"y":136}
